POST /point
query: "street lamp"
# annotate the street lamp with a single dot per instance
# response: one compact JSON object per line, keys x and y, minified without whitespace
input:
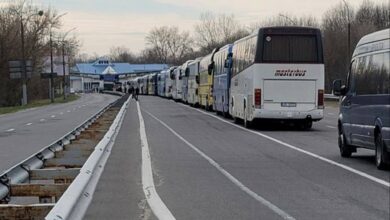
{"x":288,"y":18}
{"x":24,"y":72}
{"x":349,"y":30}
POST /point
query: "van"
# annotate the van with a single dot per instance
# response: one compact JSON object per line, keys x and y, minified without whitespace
{"x":364,"y":118}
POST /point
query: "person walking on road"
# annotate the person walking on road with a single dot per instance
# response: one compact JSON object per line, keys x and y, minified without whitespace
{"x":136,"y":92}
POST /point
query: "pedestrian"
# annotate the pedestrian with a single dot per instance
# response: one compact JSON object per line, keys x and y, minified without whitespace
{"x":136,"y":93}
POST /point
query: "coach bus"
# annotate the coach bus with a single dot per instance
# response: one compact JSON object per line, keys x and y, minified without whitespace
{"x":177,"y":84}
{"x":168,"y":82}
{"x":364,"y":119}
{"x":184,"y":81}
{"x":278,"y":73}
{"x":161,"y":84}
{"x":206,"y":69}
{"x":193,"y":81}
{"x":152,"y":84}
{"x":144,"y":85}
{"x":221,"y":85}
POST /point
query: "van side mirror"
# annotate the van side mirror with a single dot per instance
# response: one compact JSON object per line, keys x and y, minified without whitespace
{"x":210,"y":68}
{"x":338,"y":88}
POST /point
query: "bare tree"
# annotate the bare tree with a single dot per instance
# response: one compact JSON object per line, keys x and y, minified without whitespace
{"x":122,"y":54}
{"x":215,"y":31}
{"x":168,"y":44}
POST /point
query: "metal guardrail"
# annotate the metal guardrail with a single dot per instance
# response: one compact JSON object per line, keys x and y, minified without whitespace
{"x":20,"y":172}
{"x":75,"y":201}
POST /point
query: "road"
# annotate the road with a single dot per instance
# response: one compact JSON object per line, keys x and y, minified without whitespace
{"x":206,"y":167}
{"x":25,"y":133}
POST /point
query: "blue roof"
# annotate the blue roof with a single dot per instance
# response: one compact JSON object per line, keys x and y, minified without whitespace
{"x":100,"y":66}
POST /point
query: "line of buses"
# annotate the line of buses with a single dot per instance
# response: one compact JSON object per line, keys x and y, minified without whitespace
{"x":275,"y":73}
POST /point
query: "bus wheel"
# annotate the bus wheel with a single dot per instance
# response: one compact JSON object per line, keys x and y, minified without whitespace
{"x":345,"y":149}
{"x":381,"y":156}
{"x":236,"y":120}
{"x":307,"y":125}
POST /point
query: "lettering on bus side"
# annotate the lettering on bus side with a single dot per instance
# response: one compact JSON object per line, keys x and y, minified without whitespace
{"x":290,"y":72}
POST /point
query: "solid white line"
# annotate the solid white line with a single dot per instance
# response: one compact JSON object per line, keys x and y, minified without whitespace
{"x":360,"y":173}
{"x":234,"y":180}
{"x":28,"y":124}
{"x":156,"y":204}
{"x":10,"y":130}
{"x":331,"y":127}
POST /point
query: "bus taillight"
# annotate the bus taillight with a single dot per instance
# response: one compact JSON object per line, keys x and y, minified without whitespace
{"x":320,"y":101}
{"x":257,"y":98}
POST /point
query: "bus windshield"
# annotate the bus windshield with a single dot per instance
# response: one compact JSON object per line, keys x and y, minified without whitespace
{"x":290,"y":49}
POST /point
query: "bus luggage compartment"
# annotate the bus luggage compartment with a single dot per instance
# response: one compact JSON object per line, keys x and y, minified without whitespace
{"x":289,"y":95}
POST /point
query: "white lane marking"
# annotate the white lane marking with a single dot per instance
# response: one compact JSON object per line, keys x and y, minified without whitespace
{"x":333,"y":127}
{"x":42,"y":119}
{"x":156,"y":204}
{"x":28,"y":124}
{"x":233,"y":179}
{"x":68,"y":111}
{"x":10,"y":130}
{"x":358,"y":172}
{"x":53,"y":116}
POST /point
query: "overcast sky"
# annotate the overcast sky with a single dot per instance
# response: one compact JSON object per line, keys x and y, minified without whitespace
{"x":102,"y":24}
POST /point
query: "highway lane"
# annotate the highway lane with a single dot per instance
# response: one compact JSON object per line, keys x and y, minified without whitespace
{"x":301,"y":185}
{"x":24,"y":133}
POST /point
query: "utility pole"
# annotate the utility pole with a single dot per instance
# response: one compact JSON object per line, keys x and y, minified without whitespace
{"x":24,"y":71}
{"x":349,"y":30}
{"x":63,"y":62}
{"x":51,"y":69}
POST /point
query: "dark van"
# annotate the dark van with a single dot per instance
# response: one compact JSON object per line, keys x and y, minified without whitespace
{"x":364,"y":120}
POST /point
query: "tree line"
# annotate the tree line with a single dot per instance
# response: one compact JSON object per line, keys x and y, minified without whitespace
{"x":38,"y":24}
{"x":167,"y":44}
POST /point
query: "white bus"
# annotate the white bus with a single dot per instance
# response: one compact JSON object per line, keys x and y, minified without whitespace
{"x":184,"y":81}
{"x":177,"y":84}
{"x":168,"y":82}
{"x":193,"y":82}
{"x":278,"y":73}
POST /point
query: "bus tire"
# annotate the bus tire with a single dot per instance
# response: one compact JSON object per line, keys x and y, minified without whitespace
{"x":247,"y":124}
{"x":345,"y":149}
{"x":381,"y":155}
{"x":236,"y":120}
{"x":307,"y":125}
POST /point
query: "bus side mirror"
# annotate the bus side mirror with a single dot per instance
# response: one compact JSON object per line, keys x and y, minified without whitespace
{"x":210,"y":68}
{"x":197,"y":79}
{"x":338,"y":88}
{"x":187,"y":72}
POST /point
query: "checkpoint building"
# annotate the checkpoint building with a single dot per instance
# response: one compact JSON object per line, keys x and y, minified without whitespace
{"x":89,"y":77}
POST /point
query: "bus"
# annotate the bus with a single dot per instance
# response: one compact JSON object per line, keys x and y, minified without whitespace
{"x":161,"y":83}
{"x":278,"y":74}
{"x":177,"y":84}
{"x":206,"y":67}
{"x":193,"y":81}
{"x":144,"y":85}
{"x":152,"y":84}
{"x":364,"y":118}
{"x":184,"y":80}
{"x":222,"y":72}
{"x":168,"y":82}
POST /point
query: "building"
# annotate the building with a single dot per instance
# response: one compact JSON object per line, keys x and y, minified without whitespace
{"x":87,"y":77}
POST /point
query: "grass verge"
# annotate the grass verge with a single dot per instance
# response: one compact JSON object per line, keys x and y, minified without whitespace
{"x":38,"y":103}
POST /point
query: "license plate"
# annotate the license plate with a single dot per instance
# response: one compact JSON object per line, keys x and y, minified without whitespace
{"x":288,"y":104}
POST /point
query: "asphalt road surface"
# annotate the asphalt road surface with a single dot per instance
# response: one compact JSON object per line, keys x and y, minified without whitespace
{"x":206,"y":167}
{"x":25,"y":133}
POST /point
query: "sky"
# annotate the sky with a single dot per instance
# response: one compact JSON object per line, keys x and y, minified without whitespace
{"x":102,"y":24}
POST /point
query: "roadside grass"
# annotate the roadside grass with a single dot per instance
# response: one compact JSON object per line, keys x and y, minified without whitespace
{"x":38,"y":103}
